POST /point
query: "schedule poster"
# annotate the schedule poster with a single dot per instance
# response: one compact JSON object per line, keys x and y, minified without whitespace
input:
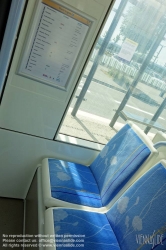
{"x":54,"y":44}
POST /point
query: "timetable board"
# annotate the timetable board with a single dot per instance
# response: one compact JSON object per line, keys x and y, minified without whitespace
{"x":54,"y":44}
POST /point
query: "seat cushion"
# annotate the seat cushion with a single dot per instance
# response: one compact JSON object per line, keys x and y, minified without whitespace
{"x":118,"y":161}
{"x":73,"y":183}
{"x":140,"y":213}
{"x":91,"y":230}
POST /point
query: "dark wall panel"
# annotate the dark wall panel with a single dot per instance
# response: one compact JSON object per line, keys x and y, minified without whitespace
{"x":11,"y":219}
{"x":4,"y":12}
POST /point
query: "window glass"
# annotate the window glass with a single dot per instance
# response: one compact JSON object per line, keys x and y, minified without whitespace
{"x":126,"y":75}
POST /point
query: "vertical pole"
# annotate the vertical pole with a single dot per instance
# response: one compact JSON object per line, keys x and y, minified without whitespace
{"x":139,"y":75}
{"x":156,"y":115}
{"x":99,"y":55}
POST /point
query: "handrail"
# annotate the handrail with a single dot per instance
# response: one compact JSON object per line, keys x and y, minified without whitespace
{"x":159,"y":144}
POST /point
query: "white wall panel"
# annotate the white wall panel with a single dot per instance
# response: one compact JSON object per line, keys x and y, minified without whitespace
{"x":20,"y":154}
{"x":31,"y":107}
{"x":31,"y":113}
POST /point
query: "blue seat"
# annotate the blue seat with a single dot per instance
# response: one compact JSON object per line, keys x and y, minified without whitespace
{"x":141,"y":212}
{"x":135,"y":221}
{"x":91,"y":230}
{"x":96,"y":185}
{"x":73,"y":182}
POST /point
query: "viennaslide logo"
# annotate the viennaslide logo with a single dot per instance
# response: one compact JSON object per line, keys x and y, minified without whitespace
{"x":154,"y":239}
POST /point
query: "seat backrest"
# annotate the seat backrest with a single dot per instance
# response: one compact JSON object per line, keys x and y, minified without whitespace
{"x":159,"y":136}
{"x":120,"y":159}
{"x":138,"y":217}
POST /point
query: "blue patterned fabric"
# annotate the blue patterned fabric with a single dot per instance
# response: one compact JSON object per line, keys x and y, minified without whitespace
{"x":118,"y":161}
{"x":92,"y":228}
{"x":73,"y":183}
{"x":140,"y":213}
{"x":96,"y":186}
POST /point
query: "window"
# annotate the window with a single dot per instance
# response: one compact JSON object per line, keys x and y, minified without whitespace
{"x":130,"y":77}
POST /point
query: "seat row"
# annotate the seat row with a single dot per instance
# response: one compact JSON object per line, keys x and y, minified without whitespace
{"x":112,"y":204}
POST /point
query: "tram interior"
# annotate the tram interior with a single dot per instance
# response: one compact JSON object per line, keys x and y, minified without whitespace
{"x":82,"y":124}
